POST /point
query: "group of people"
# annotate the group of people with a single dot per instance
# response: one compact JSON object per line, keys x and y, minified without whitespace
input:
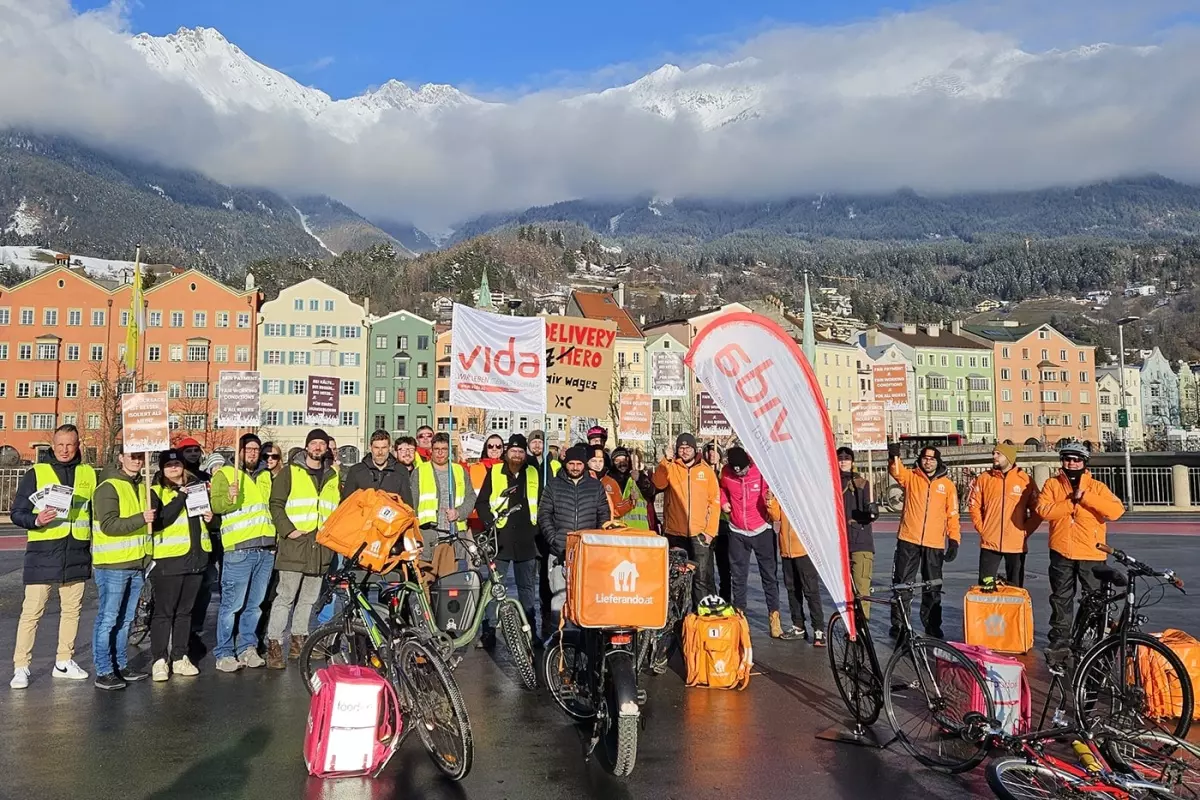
{"x":1006,"y":508}
{"x":257,"y":534}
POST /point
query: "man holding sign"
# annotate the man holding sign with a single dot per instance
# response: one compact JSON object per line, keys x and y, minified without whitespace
{"x":121,"y":524}
{"x":57,"y":553}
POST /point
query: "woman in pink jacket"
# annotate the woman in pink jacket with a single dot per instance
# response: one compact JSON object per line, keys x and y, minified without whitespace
{"x":744,"y":498}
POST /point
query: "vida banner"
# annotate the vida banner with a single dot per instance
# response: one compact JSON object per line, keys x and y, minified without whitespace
{"x":498,"y":362}
{"x":769,"y":394}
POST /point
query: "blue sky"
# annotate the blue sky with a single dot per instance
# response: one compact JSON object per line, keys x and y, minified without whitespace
{"x":484,"y":45}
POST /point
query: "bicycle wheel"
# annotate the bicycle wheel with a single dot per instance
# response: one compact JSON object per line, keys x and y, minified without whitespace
{"x":563,"y":666}
{"x":519,"y":646}
{"x":856,"y":681}
{"x":1133,"y":686}
{"x":928,"y":690}
{"x":1015,"y":778}
{"x":1158,"y":758}
{"x":437,"y":705}
{"x":330,"y":644}
{"x":139,"y":629}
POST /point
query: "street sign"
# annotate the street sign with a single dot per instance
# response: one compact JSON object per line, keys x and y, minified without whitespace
{"x":1122,"y":418}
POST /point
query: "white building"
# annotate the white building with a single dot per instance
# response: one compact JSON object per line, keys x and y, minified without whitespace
{"x":1108,"y":387}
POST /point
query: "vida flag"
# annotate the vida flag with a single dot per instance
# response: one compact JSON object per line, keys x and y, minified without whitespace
{"x":769,"y":394}
{"x":498,"y":362}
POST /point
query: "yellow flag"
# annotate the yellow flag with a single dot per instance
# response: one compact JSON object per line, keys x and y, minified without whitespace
{"x":133,"y":328}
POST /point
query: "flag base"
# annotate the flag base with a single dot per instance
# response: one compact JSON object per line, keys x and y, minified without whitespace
{"x":861,"y":735}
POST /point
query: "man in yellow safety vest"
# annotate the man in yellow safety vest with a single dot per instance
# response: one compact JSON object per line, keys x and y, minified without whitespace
{"x":57,"y":552}
{"x":121,"y":519}
{"x":444,"y":495}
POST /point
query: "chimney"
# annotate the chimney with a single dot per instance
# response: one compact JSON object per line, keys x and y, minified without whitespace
{"x":621,"y":294}
{"x":642,"y":320}
{"x":956,"y":327}
{"x":934,"y":330}
{"x":909,"y":328}
{"x":366,"y":306}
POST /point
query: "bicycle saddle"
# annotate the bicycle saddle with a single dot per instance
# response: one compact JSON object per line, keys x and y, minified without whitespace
{"x":387,"y":589}
{"x":1106,"y":574}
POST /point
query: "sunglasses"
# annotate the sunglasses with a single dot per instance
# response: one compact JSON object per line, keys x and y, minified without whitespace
{"x":272,"y":457}
{"x":495,"y":447}
{"x":1071,"y":459}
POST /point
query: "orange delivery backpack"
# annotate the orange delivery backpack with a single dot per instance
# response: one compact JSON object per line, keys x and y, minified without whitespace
{"x":1000,"y":619}
{"x":716,"y":646}
{"x":1159,"y":681}
{"x":380,"y":523}
{"x":616,"y":578}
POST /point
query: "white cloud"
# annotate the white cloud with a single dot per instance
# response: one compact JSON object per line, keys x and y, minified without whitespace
{"x":949,"y":99}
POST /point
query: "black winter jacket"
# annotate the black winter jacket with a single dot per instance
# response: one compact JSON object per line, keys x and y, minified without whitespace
{"x":860,"y":513}
{"x":365,"y":475}
{"x":571,"y":506}
{"x":60,"y":561}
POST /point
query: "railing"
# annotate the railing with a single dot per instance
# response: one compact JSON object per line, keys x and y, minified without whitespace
{"x":1152,"y":486}
{"x":9,"y":479}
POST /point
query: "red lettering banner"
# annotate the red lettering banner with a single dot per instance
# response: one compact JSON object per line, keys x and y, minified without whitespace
{"x":497,"y":361}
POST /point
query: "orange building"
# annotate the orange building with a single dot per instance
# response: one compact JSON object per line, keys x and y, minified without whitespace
{"x":62,"y":350}
{"x":464,"y":419}
{"x":1045,"y":383}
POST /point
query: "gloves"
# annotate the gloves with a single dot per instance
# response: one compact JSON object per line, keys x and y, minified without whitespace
{"x":893,"y":450}
{"x":951,"y":550}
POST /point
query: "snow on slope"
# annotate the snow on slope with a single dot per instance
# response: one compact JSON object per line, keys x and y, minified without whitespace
{"x":27,"y":258}
{"x":23,"y":221}
{"x":309,"y":231}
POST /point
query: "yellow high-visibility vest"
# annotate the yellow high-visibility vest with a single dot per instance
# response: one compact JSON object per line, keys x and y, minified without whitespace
{"x":78,"y":523}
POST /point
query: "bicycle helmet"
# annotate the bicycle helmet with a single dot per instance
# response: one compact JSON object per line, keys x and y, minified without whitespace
{"x":714,"y":606}
{"x":597,"y":431}
{"x":1075,"y":449}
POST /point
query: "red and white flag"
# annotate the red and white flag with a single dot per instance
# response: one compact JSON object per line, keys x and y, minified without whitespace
{"x":498,"y":362}
{"x":771,"y":397}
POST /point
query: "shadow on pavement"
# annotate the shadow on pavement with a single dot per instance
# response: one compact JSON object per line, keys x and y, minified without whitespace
{"x":223,"y":774}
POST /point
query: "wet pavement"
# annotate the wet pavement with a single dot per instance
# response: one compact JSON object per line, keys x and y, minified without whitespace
{"x":240,"y":736}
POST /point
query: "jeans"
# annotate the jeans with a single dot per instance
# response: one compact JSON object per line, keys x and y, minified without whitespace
{"x":1064,"y":574}
{"x":70,"y":601}
{"x":704,"y":582}
{"x":294,"y":604}
{"x":245,"y":575}
{"x":527,"y":588}
{"x":171,"y":623}
{"x":800,"y":578}
{"x":119,"y":590}
{"x":1014,"y":566}
{"x":909,"y":558}
{"x":765,"y":548}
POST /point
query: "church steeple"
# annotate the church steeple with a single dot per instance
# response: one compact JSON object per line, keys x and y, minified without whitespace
{"x":485,"y":294}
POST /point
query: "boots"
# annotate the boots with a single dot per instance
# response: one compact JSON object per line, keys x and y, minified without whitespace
{"x":275,"y":655}
{"x":776,"y":626}
{"x":297,"y":644}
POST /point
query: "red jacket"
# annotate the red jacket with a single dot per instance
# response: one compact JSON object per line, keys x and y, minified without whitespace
{"x":747,"y":499}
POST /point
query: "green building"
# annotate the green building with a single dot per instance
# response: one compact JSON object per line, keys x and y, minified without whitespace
{"x":401,"y":372}
{"x":956,"y":379}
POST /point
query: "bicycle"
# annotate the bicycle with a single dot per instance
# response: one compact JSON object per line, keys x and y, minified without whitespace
{"x":1114,"y":656}
{"x":409,"y":607}
{"x":925,"y":679}
{"x":139,"y":629}
{"x":657,"y":647}
{"x":362,"y":635}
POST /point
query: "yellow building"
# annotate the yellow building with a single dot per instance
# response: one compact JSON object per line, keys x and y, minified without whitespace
{"x":837,"y":374}
{"x":313,"y":329}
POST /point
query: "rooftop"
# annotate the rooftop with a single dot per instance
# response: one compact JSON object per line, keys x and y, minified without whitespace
{"x":602,"y":305}
{"x":922,"y":338}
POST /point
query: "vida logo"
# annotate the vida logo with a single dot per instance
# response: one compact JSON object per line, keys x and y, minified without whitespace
{"x":504,"y":362}
{"x":625,"y":577}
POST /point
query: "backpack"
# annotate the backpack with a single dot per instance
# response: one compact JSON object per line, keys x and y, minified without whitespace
{"x":376,"y":526}
{"x":716,"y":646}
{"x":354,"y":723}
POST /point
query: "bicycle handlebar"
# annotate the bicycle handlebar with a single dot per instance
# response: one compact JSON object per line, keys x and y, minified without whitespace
{"x":1138,"y":568}
{"x":909,"y":587}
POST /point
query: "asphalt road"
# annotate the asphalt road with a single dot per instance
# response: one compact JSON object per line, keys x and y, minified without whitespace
{"x":240,"y":736}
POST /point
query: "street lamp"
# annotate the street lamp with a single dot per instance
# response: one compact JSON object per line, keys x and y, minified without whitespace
{"x":1124,"y":414}
{"x":402,"y":357}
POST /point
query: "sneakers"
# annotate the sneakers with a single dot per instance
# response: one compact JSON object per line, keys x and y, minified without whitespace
{"x":250,"y":658}
{"x":185,"y":667}
{"x":20,"y":678}
{"x":793,"y":634}
{"x":776,"y":625}
{"x":160,"y":671}
{"x":133,"y":675}
{"x":818,"y":638}
{"x":275,"y":655}
{"x":226,"y":664}
{"x":70,"y":670}
{"x":110,"y":683}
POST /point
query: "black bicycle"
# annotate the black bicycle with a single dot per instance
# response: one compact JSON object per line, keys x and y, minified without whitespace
{"x":657,"y":647}
{"x":929,"y":689}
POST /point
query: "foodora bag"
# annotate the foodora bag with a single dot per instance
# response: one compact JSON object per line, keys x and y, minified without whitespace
{"x":378,"y":522}
{"x":616,"y":578}
{"x":1005,"y":678}
{"x":716,"y":648}
{"x":353,"y":723}
{"x":1164,"y":697}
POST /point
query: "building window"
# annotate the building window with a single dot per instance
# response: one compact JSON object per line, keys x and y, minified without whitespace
{"x":349,"y":387}
{"x":26,"y":316}
{"x":302,"y":358}
{"x":1062,"y":355}
{"x":295,"y":418}
{"x":45,"y":389}
{"x":50,"y":317}
{"x":422,"y":342}
{"x":24,"y":352}
{"x":243,"y":320}
{"x":155,"y":319}
{"x":979,"y":384}
{"x":296,"y":387}
{"x":443,"y":371}
{"x":72,"y":352}
{"x":349,"y":359}
{"x":350,"y":419}
{"x":1083,"y":377}
{"x":314,"y":305}
{"x":401,"y":342}
{"x":422,"y":397}
{"x":154,"y":352}
{"x":272,"y":356}
{"x":297,"y":304}
{"x":298,"y":330}
{"x":958,"y":361}
{"x":124,"y":323}
{"x":71,"y":389}
{"x":402,"y":396}
{"x":42,"y":422}
{"x":381,"y":342}
{"x":98,"y":317}
{"x":443,"y":395}
{"x":174,"y":391}
{"x":195,"y":422}
{"x":5,"y":316}
{"x":422,"y":369}
{"x":151,"y":386}
{"x":380,"y":369}
{"x":274,"y":329}
{"x":1005,"y":374}
{"x":1005,"y":395}
{"x":23,"y":390}
{"x":329,"y":305}
{"x":1025,"y":375}
{"x":47,"y":352}
{"x":176,"y":352}
{"x":176,"y":319}
{"x":401,"y":422}
{"x":197,"y":352}
{"x":222,"y":354}
{"x":1085,"y":397}
{"x":1027,"y":396}
{"x":94,"y":389}
{"x":97,"y":352}
{"x":272,"y":418}
{"x":1086,"y":420}
{"x":1049,"y":396}
{"x":243,"y":355}
{"x":3,"y":352}
{"x":222,"y":319}
{"x":351,"y":331}
{"x":196,"y":390}
{"x":380,"y":398}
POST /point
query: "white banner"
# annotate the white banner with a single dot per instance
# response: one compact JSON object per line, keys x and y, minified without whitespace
{"x":770,"y":395}
{"x":498,"y":362}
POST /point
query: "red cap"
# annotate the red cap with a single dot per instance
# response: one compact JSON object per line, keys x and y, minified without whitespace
{"x":186,"y":441}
